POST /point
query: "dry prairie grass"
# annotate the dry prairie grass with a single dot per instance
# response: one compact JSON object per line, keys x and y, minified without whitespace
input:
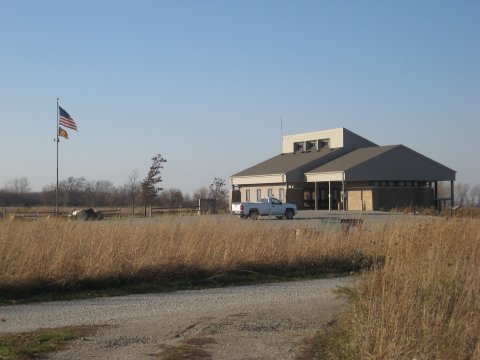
{"x":61,"y":254}
{"x":424,"y":301}
{"x":419,"y":296}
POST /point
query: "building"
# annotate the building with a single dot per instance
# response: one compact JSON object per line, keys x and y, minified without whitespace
{"x":338,"y":169}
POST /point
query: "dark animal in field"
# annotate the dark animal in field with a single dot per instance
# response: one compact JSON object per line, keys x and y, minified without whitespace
{"x":87,"y":214}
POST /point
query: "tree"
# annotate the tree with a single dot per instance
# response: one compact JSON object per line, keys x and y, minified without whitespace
{"x":149,"y":189}
{"x":73,"y":190}
{"x":461,"y":194}
{"x":17,"y":186}
{"x":201,"y":193}
{"x":132,"y":188}
{"x":218,"y":191}
{"x":175,"y":198}
{"x":475,"y":195}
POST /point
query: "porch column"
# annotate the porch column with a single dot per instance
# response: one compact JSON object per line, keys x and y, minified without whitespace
{"x":316,"y":196}
{"x":451,"y":194}
{"x":435,"y":195}
{"x":329,"y":196}
{"x":343,"y":194}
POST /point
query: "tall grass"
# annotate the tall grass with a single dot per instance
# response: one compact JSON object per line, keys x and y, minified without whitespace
{"x":418,"y":298}
{"x":424,"y":301}
{"x":56,"y":253}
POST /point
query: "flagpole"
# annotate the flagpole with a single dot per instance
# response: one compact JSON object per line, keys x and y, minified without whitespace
{"x":56,"y":190}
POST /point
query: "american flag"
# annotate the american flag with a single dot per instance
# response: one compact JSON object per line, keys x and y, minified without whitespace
{"x":66,"y":120}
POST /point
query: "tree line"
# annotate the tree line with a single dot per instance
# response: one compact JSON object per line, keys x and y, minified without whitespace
{"x":135,"y":192}
{"x":82,"y":192}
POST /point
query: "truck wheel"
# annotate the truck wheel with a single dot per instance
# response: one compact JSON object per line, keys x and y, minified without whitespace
{"x":253,"y":215}
{"x":289,"y":214}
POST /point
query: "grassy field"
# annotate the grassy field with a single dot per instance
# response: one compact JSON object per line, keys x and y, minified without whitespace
{"x":422,"y":302}
{"x":57,"y":254}
{"x":419,"y":296}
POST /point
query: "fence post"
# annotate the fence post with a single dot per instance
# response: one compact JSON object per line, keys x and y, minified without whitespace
{"x":149,"y":211}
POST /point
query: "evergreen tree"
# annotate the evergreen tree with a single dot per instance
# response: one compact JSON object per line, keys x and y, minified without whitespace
{"x":149,"y":189}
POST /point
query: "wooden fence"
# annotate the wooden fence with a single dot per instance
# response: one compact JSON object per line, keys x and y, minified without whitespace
{"x":23,"y":214}
{"x":168,"y":210}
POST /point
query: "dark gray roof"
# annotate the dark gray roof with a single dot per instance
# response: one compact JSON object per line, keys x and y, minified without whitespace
{"x":291,"y":163}
{"x":394,"y":162}
{"x":352,"y":159}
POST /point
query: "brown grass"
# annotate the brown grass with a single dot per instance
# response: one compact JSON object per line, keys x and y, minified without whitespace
{"x":421,"y":298}
{"x":424,"y":301}
{"x":56,"y":253}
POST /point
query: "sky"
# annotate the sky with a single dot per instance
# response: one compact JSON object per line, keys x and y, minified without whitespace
{"x":207,"y":84}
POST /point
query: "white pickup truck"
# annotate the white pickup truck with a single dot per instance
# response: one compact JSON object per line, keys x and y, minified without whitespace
{"x":266,"y":207}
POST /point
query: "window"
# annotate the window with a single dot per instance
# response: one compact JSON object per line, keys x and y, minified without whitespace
{"x":270,"y":193}
{"x":390,"y":183}
{"x":322,"y":143}
{"x":247,"y":195}
{"x":312,"y":145}
{"x":276,"y":202}
{"x":281,"y":194}
{"x":259,"y":194}
{"x":299,"y":146}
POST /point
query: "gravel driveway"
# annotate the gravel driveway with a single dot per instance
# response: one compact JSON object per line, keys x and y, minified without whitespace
{"x":266,"y":321}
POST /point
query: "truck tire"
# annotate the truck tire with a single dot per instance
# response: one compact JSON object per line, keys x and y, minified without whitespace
{"x":253,"y":214}
{"x":289,"y":214}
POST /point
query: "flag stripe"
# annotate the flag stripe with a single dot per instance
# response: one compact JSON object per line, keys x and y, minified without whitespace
{"x":66,"y":120}
{"x":70,"y":123}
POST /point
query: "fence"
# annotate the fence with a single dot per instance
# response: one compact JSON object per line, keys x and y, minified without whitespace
{"x":169,"y":210}
{"x":205,"y":206}
{"x":18,"y":213}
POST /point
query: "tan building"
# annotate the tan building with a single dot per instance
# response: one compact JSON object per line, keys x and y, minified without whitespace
{"x":337,"y":169}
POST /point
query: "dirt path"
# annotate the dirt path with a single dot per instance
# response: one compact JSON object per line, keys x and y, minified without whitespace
{"x":249,"y":322}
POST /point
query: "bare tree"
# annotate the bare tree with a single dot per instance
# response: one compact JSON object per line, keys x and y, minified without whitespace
{"x":149,"y":189}
{"x":175,"y":197}
{"x":17,"y":186}
{"x":475,"y":195}
{"x":201,"y":193}
{"x":73,"y":190}
{"x":103,"y":191}
{"x":132,"y":188}
{"x":461,"y":194}
{"x":48,"y":194}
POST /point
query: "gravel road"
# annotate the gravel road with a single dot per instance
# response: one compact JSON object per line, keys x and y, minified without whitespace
{"x":266,"y":321}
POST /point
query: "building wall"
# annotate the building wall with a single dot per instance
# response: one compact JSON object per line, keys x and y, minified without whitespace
{"x":388,"y":198}
{"x":378,"y":198}
{"x":295,"y":196}
{"x":334,"y":135}
{"x":264,"y":191}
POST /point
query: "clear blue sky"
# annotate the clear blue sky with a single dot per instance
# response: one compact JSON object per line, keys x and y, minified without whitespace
{"x":205,"y":83}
